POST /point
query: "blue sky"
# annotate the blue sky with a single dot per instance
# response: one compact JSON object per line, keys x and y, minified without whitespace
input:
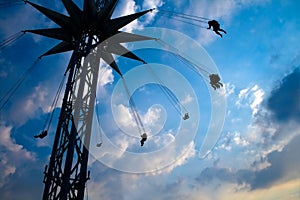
{"x":255,"y":156}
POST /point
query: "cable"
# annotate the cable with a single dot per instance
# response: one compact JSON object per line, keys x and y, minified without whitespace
{"x":213,"y":79}
{"x":15,"y":87}
{"x":184,"y":17}
{"x":100,"y":132}
{"x":184,"y":58}
{"x":136,"y":116}
{"x":189,"y":18}
{"x":87,"y":192}
{"x":184,"y":21}
{"x":197,"y":19}
{"x":6,"y":42}
{"x":183,"y":14}
{"x":101,"y":72}
{"x":167,"y":92}
{"x":53,"y":105}
{"x":11,"y":3}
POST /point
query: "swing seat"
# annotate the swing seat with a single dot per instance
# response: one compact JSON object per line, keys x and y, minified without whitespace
{"x":99,"y":144}
{"x":144,"y":136}
{"x":41,"y":135}
{"x":186,"y":116}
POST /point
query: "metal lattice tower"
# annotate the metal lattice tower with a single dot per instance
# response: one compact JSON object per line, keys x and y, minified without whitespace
{"x":82,"y":32}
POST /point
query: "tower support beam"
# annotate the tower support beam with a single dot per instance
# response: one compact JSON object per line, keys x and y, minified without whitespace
{"x":81,"y":31}
{"x":67,"y":180}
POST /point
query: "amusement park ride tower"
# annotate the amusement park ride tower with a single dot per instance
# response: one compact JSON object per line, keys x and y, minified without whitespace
{"x":83,"y":32}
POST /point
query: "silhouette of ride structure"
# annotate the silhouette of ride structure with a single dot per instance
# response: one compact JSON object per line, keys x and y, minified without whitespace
{"x":86,"y":32}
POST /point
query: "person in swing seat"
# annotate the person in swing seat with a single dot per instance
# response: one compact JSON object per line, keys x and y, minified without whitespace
{"x":216,"y":27}
{"x":215,"y":81}
{"x":43,"y":134}
{"x":144,"y":138}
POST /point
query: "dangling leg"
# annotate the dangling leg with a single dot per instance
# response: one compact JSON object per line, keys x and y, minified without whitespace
{"x":212,"y":85}
{"x":218,"y":33}
{"x":142,"y":141}
{"x":222,"y":30}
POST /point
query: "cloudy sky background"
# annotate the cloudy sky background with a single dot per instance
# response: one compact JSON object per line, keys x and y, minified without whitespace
{"x":256,"y":155}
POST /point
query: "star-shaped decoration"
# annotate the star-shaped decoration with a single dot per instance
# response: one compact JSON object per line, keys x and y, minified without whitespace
{"x":94,"y":20}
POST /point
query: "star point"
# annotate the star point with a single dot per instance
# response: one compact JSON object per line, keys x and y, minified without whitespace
{"x":91,"y":22}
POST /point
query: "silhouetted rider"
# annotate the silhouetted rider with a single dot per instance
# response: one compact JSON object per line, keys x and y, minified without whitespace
{"x":41,"y":135}
{"x":144,"y":138}
{"x":216,"y":27}
{"x":215,"y":81}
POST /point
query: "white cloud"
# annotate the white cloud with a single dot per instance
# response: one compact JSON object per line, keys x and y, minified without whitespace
{"x":6,"y":141}
{"x":127,"y":8}
{"x":238,"y":140}
{"x":130,"y":7}
{"x":153,"y":120}
{"x":250,"y":97}
{"x":221,"y":190}
{"x":186,"y":153}
{"x":12,"y":155}
{"x":230,"y":88}
{"x":232,"y":140}
{"x":124,"y":118}
{"x":243,"y":93}
{"x":28,"y":107}
{"x":105,"y":75}
{"x":6,"y":169}
{"x":224,"y":146}
{"x":160,"y":154}
{"x":150,"y":5}
{"x":189,"y":152}
{"x":258,"y":95}
{"x":188,"y":98}
{"x":162,"y":140}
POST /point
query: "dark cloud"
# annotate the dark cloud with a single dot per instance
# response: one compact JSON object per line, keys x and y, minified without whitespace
{"x":222,"y":174}
{"x":19,"y":150}
{"x":226,"y":175}
{"x":284,"y":100}
{"x":284,"y":105}
{"x":284,"y":165}
{"x":26,"y":183}
{"x":105,"y":182}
